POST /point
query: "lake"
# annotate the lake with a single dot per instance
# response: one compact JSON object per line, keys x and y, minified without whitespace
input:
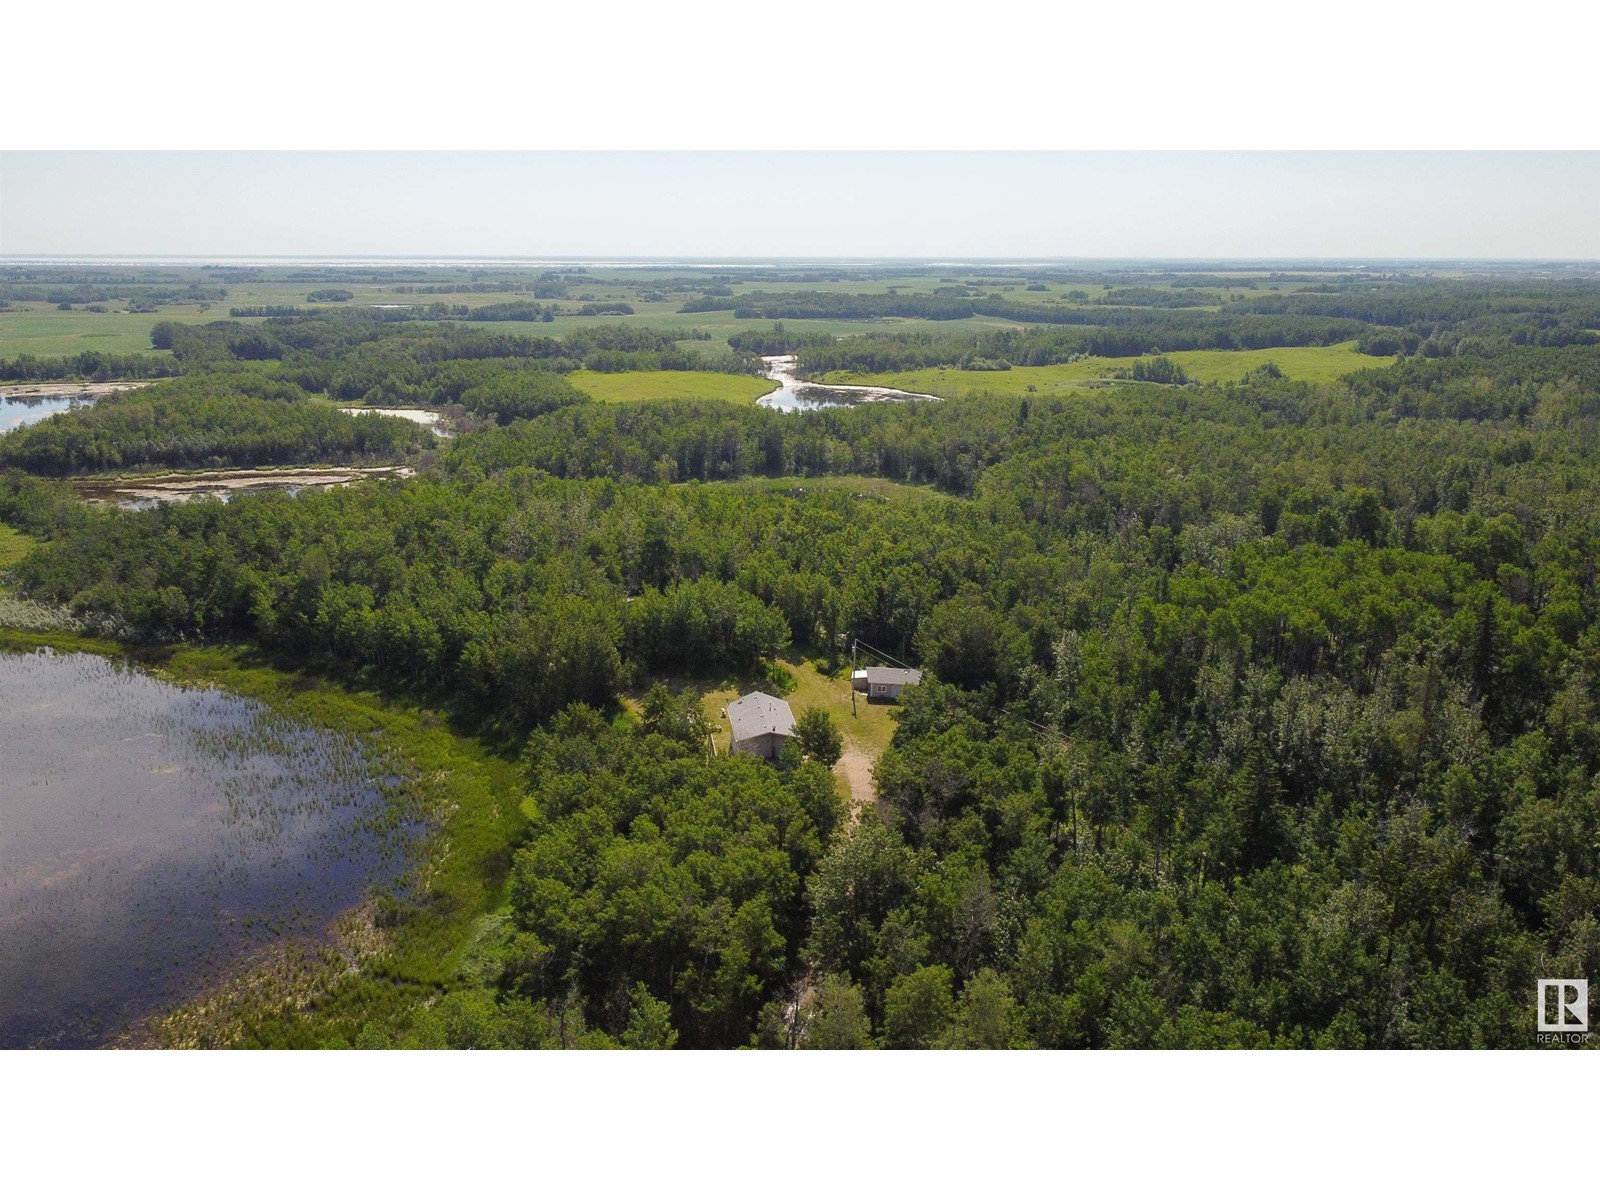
{"x":153,"y":835}
{"x":797,"y":395}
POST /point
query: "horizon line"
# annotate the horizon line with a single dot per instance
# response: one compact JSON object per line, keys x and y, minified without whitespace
{"x":745,"y":259}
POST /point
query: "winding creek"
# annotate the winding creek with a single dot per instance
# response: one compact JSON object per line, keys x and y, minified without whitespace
{"x":152,"y":836}
{"x":796,"y":395}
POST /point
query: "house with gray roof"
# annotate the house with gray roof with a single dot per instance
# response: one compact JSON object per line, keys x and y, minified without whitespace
{"x":760,"y":725}
{"x":884,"y":683}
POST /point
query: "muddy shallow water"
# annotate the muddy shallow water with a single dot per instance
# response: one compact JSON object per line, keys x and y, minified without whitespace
{"x":146,"y":491}
{"x":152,"y":835}
{"x":426,"y":417}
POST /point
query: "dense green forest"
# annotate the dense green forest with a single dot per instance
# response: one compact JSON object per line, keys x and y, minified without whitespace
{"x":1256,"y":714}
{"x":238,"y":420}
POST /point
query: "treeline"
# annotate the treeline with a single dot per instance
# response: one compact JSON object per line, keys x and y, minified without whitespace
{"x":100,"y":293}
{"x":400,"y":580}
{"x":1445,"y":318}
{"x":184,"y":423}
{"x":775,"y":341}
{"x":503,"y":390}
{"x":679,"y":441}
{"x":1149,"y":297}
{"x":327,"y":349}
{"x":94,"y":365}
{"x":509,"y":310}
{"x":1159,"y":369}
{"x":1549,"y":387}
{"x":1108,"y":330}
{"x":1434,"y":302}
{"x":1135,"y":333}
{"x":462,"y":288}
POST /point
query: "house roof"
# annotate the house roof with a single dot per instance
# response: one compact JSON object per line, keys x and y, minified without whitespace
{"x":904,"y":676}
{"x":751,"y":716}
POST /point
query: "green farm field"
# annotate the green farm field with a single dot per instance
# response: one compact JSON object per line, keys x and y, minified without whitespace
{"x":1310,"y":364}
{"x":44,"y":331}
{"x":631,"y":386}
{"x":40,"y":329}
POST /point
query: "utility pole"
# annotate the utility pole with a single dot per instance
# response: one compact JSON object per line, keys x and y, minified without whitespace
{"x":853,"y":642}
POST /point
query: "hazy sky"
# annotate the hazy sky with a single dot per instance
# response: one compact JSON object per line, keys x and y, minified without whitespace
{"x":1479,"y":205}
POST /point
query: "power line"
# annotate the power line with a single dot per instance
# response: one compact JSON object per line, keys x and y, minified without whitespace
{"x":888,"y":658}
{"x":1042,"y":730}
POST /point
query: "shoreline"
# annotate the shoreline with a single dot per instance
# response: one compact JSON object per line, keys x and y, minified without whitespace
{"x":364,"y":968}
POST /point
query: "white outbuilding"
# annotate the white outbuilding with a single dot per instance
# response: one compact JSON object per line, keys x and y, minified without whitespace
{"x":884,"y":683}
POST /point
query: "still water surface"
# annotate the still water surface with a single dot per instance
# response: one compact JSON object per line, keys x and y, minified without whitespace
{"x":796,"y":395}
{"x":151,"y":835}
{"x":17,"y":411}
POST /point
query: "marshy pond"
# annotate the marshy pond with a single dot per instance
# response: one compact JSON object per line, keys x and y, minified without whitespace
{"x":146,"y":491}
{"x":796,"y":395}
{"x":428,"y":418}
{"x":153,"y":835}
{"x":24,"y":403}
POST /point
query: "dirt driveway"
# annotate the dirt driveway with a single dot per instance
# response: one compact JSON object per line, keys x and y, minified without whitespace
{"x":855,"y":768}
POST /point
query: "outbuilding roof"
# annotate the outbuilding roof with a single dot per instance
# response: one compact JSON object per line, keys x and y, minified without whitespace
{"x":758,"y":713}
{"x":904,"y":676}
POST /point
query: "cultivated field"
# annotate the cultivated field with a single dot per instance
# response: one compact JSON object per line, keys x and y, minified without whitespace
{"x":1310,"y":364}
{"x":631,"y":386}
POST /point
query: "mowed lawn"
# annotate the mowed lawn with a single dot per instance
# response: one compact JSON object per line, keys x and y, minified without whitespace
{"x":867,"y":728}
{"x":629,"y":386}
{"x":1311,"y":364}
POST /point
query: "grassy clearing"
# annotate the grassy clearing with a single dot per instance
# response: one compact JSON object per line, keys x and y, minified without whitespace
{"x":470,"y":786}
{"x":15,"y":612}
{"x":14,"y":546}
{"x":1311,"y":364}
{"x":47,"y":333}
{"x":867,"y":728}
{"x":632,"y":386}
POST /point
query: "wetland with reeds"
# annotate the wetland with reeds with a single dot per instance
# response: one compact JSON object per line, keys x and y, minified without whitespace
{"x":154,"y":835}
